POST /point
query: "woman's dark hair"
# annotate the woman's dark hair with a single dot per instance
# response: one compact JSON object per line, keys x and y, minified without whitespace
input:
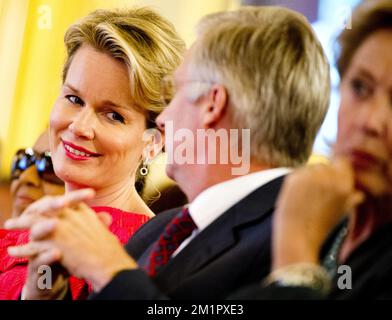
{"x":368,"y":17}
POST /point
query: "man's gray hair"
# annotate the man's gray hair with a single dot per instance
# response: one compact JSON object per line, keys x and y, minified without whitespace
{"x":276,"y":75}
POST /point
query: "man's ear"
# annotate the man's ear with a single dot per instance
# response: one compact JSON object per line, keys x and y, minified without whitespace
{"x":153,"y":143}
{"x":215,"y":107}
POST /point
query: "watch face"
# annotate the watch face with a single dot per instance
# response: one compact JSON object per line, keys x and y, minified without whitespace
{"x":301,"y":275}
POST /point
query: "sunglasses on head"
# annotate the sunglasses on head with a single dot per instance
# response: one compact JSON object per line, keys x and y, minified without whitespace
{"x":25,"y":158}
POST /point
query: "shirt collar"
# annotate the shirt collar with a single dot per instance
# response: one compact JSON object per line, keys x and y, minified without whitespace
{"x":216,"y":200}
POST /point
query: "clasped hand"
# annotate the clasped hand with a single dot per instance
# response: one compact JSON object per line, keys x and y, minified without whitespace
{"x":65,"y":230}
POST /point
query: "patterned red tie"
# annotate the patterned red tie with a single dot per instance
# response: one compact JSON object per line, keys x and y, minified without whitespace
{"x":179,"y":228}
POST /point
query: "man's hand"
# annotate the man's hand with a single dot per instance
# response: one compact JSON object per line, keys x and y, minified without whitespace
{"x":312,"y":202}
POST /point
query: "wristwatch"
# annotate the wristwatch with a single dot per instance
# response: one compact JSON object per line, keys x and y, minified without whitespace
{"x":301,"y":275}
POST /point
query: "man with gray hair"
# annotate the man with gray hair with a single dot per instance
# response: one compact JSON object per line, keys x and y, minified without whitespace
{"x":255,"y":87}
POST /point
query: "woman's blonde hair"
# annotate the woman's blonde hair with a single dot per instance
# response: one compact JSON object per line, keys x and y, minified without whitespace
{"x":140,"y":38}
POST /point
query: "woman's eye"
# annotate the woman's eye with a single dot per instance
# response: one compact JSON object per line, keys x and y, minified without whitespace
{"x":114,"y":116}
{"x":360,"y":88}
{"x":75,"y":100}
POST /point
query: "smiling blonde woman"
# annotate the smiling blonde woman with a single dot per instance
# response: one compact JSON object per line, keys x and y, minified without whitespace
{"x":109,"y":97}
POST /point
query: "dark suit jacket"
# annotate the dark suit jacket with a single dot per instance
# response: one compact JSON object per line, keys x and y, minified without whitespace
{"x":371,"y":270}
{"x":231,"y":252}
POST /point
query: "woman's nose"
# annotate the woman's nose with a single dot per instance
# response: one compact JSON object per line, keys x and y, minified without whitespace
{"x":83,"y":123}
{"x":374,"y":118}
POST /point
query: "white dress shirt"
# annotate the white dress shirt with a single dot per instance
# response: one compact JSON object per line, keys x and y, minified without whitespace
{"x":214,"y":201}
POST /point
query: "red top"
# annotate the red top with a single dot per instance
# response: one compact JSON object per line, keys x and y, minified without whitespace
{"x":13,"y":270}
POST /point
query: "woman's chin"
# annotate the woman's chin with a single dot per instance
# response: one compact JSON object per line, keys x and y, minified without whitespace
{"x":75,"y":181}
{"x":373,"y":184}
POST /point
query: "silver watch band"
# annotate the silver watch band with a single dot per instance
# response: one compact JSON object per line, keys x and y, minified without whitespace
{"x":301,"y":275}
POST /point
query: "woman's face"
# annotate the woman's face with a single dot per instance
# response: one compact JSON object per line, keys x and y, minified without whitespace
{"x":365,"y":116}
{"x":96,"y":133}
{"x":29,"y":186}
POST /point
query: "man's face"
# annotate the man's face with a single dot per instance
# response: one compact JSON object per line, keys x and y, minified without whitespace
{"x":181,"y":118}
{"x":29,"y":186}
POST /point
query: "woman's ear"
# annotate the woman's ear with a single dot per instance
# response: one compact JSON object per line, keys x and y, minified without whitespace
{"x":153,"y":143}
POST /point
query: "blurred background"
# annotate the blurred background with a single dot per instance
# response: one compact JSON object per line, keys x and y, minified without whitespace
{"x":32,"y":54}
